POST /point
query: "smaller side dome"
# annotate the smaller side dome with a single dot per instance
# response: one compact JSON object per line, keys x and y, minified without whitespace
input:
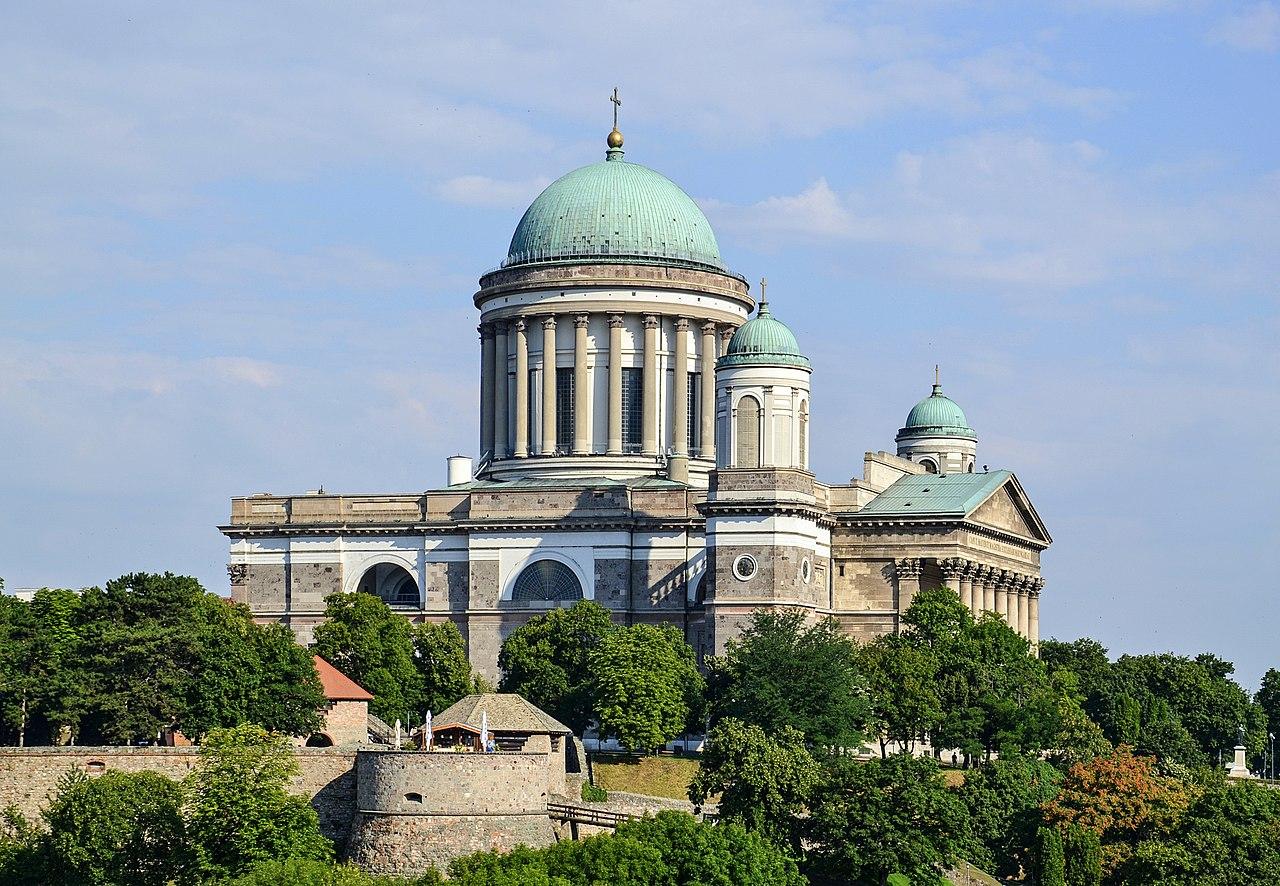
{"x":763,"y":341}
{"x":936,"y":416}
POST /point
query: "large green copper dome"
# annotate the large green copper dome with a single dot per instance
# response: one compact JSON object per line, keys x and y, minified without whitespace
{"x":614,"y":211}
{"x":936,"y":416}
{"x":763,"y":341}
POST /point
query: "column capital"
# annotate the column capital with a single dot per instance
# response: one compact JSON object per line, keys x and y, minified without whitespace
{"x":709,"y":327}
{"x":520,"y":324}
{"x":909,"y":567}
{"x":1036,"y":585}
{"x":238,"y":573}
{"x":1004,"y":578}
{"x":972,"y":570}
{"x":485,"y":330}
{"x":727,"y":332}
{"x":682,"y":323}
{"x":549,"y":321}
{"x":615,"y":321}
{"x":952,"y":567}
{"x":650,"y":321}
{"x":580,"y":321}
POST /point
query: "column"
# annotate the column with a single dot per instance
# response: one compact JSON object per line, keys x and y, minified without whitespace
{"x":615,"y":384}
{"x":521,"y":449}
{"x":952,"y":568}
{"x":1024,"y":607}
{"x":581,"y":388}
{"x":988,"y":589}
{"x":499,"y":390}
{"x":708,"y":432}
{"x":768,"y":457}
{"x":1033,"y":618}
{"x":1015,"y":600}
{"x":680,"y":392}
{"x":486,"y":389}
{"x":548,"y":386}
{"x":725,"y":335}
{"x":650,"y":435}
{"x":967,"y":588}
{"x":908,"y":573}
{"x":1001,"y":578}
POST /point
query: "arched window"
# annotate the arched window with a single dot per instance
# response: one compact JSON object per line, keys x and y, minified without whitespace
{"x":546,"y":580}
{"x":804,"y":435}
{"x":748,"y":454}
{"x":319,"y":740}
{"x":928,"y":465}
{"x":392,"y":583}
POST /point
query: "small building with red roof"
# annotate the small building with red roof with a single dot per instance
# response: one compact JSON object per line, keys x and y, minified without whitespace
{"x":346,"y":709}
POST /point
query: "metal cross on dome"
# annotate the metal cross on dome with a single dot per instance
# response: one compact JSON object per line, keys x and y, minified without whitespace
{"x":617,"y":103}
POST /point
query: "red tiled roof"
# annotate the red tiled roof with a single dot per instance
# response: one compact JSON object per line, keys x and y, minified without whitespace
{"x":337,"y":685}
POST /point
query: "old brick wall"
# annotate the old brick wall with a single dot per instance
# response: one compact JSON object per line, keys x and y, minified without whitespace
{"x":29,"y":776}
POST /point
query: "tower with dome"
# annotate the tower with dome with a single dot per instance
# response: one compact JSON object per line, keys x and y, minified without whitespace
{"x":644,"y":435}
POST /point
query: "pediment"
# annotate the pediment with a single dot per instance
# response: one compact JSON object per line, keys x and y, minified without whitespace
{"x":1009,"y":510}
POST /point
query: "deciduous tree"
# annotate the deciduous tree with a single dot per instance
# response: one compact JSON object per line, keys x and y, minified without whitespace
{"x":440,"y":654}
{"x":641,"y":681}
{"x":373,"y":646}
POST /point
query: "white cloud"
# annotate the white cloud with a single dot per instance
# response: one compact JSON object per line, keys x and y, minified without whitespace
{"x":1254,"y":29}
{"x":480,"y":190}
{"x":1026,"y":214}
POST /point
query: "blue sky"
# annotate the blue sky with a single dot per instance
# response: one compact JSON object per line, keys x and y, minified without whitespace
{"x":238,"y":245}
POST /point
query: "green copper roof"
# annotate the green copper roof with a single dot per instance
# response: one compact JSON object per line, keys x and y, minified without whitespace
{"x":936,"y":495}
{"x":936,"y":416}
{"x":763,"y":341}
{"x":614,"y":211}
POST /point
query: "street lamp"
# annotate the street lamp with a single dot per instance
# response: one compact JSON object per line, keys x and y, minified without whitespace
{"x":1272,"y":736}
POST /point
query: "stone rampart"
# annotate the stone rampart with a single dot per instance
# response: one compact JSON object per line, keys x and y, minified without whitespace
{"x":29,"y":776}
{"x":418,"y":810}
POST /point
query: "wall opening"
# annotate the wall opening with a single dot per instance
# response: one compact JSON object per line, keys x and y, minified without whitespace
{"x":546,"y":580}
{"x":392,"y":583}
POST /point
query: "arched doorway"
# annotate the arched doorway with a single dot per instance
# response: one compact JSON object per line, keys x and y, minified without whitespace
{"x":392,"y":583}
{"x":319,"y":740}
{"x":546,"y":581}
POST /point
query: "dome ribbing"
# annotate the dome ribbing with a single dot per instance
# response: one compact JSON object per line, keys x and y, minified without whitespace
{"x":614,"y":212}
{"x":936,"y":416}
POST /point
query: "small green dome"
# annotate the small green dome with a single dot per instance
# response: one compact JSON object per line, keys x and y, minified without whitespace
{"x":614,"y":211}
{"x":763,"y":341}
{"x":936,"y":416}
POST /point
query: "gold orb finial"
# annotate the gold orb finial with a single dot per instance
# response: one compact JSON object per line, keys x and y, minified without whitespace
{"x":615,"y":139}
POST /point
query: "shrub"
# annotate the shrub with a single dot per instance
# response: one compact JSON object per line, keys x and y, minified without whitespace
{"x":593,"y":793}
{"x":1050,"y":863}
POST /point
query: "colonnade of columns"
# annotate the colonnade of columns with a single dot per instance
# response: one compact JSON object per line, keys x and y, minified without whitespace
{"x":498,"y":427}
{"x":1012,"y":595}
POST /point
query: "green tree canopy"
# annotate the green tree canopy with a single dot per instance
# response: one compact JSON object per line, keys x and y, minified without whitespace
{"x":784,"y":671}
{"x":374,"y":646}
{"x":764,"y":781}
{"x":240,"y":813}
{"x":1004,"y":798}
{"x":119,"y":829}
{"x":440,"y":654}
{"x":872,"y":819}
{"x":642,"y":680}
{"x":547,"y":661}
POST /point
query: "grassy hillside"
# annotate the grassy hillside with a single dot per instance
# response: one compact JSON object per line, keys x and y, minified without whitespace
{"x":655,"y":776}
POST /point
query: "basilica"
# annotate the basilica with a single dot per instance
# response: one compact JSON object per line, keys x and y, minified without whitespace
{"x":644,"y":443}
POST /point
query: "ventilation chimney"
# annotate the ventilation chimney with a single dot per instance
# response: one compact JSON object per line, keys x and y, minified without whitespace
{"x":459,"y":469}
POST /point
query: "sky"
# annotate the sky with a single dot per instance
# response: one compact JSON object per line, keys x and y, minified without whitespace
{"x":238,"y":245}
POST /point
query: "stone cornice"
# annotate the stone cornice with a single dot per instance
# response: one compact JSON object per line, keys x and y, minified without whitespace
{"x":852,"y":520}
{"x":459,"y":527}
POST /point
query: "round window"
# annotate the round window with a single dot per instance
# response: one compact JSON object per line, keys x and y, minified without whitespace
{"x":806,"y":570}
{"x":745,"y":567}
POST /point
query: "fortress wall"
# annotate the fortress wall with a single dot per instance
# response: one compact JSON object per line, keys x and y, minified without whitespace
{"x":29,"y":776}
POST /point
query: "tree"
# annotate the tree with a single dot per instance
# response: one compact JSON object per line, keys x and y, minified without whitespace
{"x":440,"y":654}
{"x":763,"y":781}
{"x":308,"y":872}
{"x":641,"y":681}
{"x":1004,"y":798}
{"x":694,"y":852}
{"x":1050,"y":861}
{"x":1082,"y":857}
{"x":240,"y":813}
{"x":783,"y":671}
{"x":1268,"y":699}
{"x":119,"y":829}
{"x":903,"y":687}
{"x":248,"y":673}
{"x":872,"y":819}
{"x":1229,"y":835}
{"x":373,"y":646}
{"x":1122,"y":799}
{"x":40,"y":681}
{"x":20,"y":859}
{"x":546,"y":661}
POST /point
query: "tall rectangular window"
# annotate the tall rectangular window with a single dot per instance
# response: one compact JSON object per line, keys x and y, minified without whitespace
{"x":694,"y":424}
{"x":632,"y":409}
{"x":564,"y":410}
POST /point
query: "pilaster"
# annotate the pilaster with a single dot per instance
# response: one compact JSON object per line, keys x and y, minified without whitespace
{"x":907,"y":572}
